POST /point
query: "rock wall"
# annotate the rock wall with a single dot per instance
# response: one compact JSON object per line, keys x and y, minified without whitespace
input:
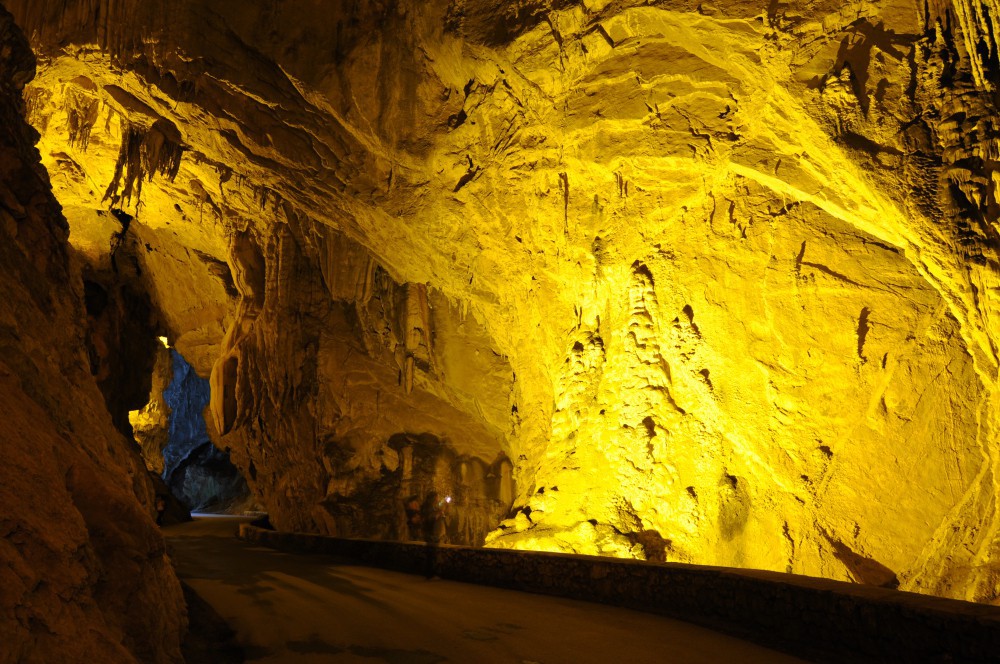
{"x":338,"y":400}
{"x":79,"y":550}
{"x":717,"y":280}
{"x":121,"y":330}
{"x":151,"y":423}
{"x":199,"y":473}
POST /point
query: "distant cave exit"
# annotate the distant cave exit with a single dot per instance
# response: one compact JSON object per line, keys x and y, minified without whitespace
{"x":174,"y":436}
{"x":198,"y":473}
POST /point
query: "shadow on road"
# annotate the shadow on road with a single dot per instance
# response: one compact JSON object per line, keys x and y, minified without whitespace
{"x":210,"y":639}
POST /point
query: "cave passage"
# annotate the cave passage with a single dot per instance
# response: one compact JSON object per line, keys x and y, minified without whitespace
{"x":174,"y":436}
{"x":198,"y":473}
{"x":709,"y":283}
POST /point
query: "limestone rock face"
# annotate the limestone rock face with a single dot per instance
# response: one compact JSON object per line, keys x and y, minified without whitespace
{"x":206,"y":480}
{"x":187,"y":398}
{"x":339,"y":402}
{"x":709,"y":282}
{"x":151,"y":423}
{"x":79,"y":551}
{"x":121,"y":333}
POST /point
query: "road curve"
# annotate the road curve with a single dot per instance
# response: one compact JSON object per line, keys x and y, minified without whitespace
{"x":316,"y":609}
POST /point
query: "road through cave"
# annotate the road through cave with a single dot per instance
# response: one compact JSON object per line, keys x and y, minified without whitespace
{"x":311,"y":608}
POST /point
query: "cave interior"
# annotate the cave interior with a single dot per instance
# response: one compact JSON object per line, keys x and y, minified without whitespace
{"x":674,"y":281}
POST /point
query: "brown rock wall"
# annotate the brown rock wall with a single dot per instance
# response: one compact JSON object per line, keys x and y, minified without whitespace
{"x":341,"y":362}
{"x":79,"y":551}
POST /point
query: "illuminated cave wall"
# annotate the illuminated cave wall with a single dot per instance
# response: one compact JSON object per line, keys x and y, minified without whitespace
{"x":718,"y":279}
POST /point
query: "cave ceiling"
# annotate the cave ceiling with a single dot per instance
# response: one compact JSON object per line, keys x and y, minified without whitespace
{"x":718,"y":274}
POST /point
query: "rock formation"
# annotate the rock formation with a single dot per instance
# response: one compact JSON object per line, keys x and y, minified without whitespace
{"x":79,"y":552}
{"x":707,"y":282}
{"x":151,"y":423}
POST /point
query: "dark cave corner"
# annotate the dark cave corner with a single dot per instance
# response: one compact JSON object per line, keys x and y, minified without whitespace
{"x":481,"y":492}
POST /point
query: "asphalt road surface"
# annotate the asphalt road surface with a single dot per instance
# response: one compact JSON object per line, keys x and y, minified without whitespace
{"x":310,"y":608}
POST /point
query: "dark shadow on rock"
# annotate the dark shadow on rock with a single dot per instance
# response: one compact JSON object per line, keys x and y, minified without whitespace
{"x":263,"y":521}
{"x":201,"y":475}
{"x":209,"y":640}
{"x":397,"y":656}
{"x":864,"y":570}
{"x":314,"y":646}
{"x":175,"y":512}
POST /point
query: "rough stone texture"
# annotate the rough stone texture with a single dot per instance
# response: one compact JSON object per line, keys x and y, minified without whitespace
{"x":121,"y":332}
{"x":151,"y":423}
{"x":187,"y":397}
{"x":79,"y":551}
{"x":815,"y":618}
{"x":207,"y":481}
{"x":719,"y":280}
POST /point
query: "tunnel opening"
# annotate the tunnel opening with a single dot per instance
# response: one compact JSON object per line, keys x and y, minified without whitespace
{"x":176,"y":439}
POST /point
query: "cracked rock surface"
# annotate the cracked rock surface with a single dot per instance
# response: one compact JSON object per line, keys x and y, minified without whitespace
{"x":704,"y":282}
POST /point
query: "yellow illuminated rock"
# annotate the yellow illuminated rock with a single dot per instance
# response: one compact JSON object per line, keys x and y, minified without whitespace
{"x":151,"y":423}
{"x":717,"y":283}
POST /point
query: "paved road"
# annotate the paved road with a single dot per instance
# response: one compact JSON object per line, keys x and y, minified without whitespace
{"x":311,"y":609}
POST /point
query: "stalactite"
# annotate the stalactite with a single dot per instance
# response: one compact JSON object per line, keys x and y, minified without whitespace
{"x":348,"y":268}
{"x":872,"y":143}
{"x":980,"y":24}
{"x":35,"y":99}
{"x":81,"y":106}
{"x":262,"y":195}
{"x":143,"y":154}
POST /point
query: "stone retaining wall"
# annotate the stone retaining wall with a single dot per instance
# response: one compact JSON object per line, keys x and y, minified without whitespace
{"x":817,"y":618}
